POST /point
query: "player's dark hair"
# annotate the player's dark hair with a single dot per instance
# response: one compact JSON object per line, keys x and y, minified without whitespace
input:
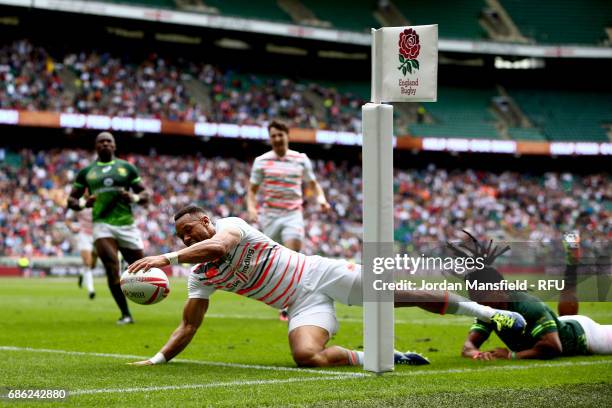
{"x":189,"y":209}
{"x":278,"y":125}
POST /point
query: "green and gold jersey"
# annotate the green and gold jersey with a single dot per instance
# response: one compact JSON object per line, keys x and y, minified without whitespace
{"x":540,"y":320}
{"x":106,"y":181}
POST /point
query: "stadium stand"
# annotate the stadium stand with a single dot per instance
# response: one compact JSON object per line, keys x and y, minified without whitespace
{"x":566,"y":115}
{"x":460,"y":112}
{"x":343,"y":14}
{"x":259,"y":9}
{"x":431,"y":204}
{"x":458,"y":21}
{"x":572,"y":22}
{"x":102,"y":83}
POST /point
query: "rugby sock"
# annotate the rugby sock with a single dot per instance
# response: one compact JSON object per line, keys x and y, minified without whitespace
{"x":88,"y":280}
{"x":355,"y":357}
{"x":119,"y":298}
{"x":459,"y":305}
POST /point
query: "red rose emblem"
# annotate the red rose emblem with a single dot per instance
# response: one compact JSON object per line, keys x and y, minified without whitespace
{"x":409,"y":45}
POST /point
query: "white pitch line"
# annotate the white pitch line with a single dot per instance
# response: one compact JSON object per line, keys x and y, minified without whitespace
{"x":209,"y":385}
{"x":182,"y":360}
{"x":336,"y":377}
{"x":502,"y":368}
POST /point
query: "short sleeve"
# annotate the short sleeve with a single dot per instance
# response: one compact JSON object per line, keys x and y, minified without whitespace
{"x":80,"y":180}
{"x":196,"y":289}
{"x":256,"y":173}
{"x":232,"y":222}
{"x":134,"y":174}
{"x":308,"y":170}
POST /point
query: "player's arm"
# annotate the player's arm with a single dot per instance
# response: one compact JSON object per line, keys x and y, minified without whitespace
{"x":548,"y":346}
{"x":471,"y":346}
{"x":138,"y":193}
{"x":205,"y":251}
{"x":252,"y":201}
{"x":319,"y":194}
{"x":76,"y":201}
{"x":193,"y":314}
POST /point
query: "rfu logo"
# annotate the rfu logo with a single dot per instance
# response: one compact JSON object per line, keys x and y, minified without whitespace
{"x":108,"y":182}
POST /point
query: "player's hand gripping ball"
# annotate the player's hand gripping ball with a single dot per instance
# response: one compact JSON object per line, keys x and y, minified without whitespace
{"x":145,"y":288}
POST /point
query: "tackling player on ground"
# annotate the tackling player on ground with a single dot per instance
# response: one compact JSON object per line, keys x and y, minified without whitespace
{"x":114,"y":185}
{"x":280,"y":174}
{"x":233,"y":256}
{"x":546,"y":336}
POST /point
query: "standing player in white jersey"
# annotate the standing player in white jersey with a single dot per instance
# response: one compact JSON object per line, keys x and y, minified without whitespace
{"x":80,"y":224}
{"x":233,"y":256}
{"x":280,"y":173}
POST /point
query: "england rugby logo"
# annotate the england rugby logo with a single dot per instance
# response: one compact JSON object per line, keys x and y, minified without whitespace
{"x":409,"y":48}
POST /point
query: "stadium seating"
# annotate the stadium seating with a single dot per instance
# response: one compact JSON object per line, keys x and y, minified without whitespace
{"x":458,"y":21}
{"x":565,"y":115}
{"x":572,"y":22}
{"x":168,"y":4}
{"x":460,"y":112}
{"x":530,"y":134}
{"x":260,"y":9}
{"x":345,"y":14}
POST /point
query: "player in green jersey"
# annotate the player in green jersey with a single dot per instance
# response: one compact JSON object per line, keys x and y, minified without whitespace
{"x":114,"y":185}
{"x":545,"y":336}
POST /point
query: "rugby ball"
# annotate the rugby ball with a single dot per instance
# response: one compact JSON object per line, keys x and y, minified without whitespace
{"x":145,"y":288}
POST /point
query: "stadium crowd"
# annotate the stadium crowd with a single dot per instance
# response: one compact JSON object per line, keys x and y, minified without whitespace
{"x":431,"y":205}
{"x":156,"y":87}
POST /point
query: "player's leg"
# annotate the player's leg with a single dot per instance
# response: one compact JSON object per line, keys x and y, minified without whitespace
{"x":107,"y":251}
{"x":444,"y":302}
{"x":87,"y":257}
{"x":312,"y":321}
{"x":342,"y":281}
{"x":598,"y":336}
{"x":308,"y":348}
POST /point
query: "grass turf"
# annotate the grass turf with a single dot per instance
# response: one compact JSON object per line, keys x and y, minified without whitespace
{"x":43,"y":315}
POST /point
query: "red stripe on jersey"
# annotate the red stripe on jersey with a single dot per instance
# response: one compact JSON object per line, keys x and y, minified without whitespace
{"x":263,"y":278}
{"x":281,"y":183}
{"x":289,"y":206}
{"x":223,"y":277}
{"x":290,"y":296}
{"x":242,"y":254}
{"x":279,"y":281}
{"x":291,"y":282}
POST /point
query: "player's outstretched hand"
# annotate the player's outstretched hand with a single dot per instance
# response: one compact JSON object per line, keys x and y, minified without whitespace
{"x":147,"y":263}
{"x":501,"y":353}
{"x":484,"y":356}
{"x":141,"y":363}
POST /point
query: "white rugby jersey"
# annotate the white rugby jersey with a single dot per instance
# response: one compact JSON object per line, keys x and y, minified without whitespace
{"x":281,"y":180}
{"x":257,"y":267}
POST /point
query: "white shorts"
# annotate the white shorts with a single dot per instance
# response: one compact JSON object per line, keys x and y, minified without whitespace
{"x":127,"y":236}
{"x":84,"y":242}
{"x":285,"y":227}
{"x":598,"y":336}
{"x":328,"y":280}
